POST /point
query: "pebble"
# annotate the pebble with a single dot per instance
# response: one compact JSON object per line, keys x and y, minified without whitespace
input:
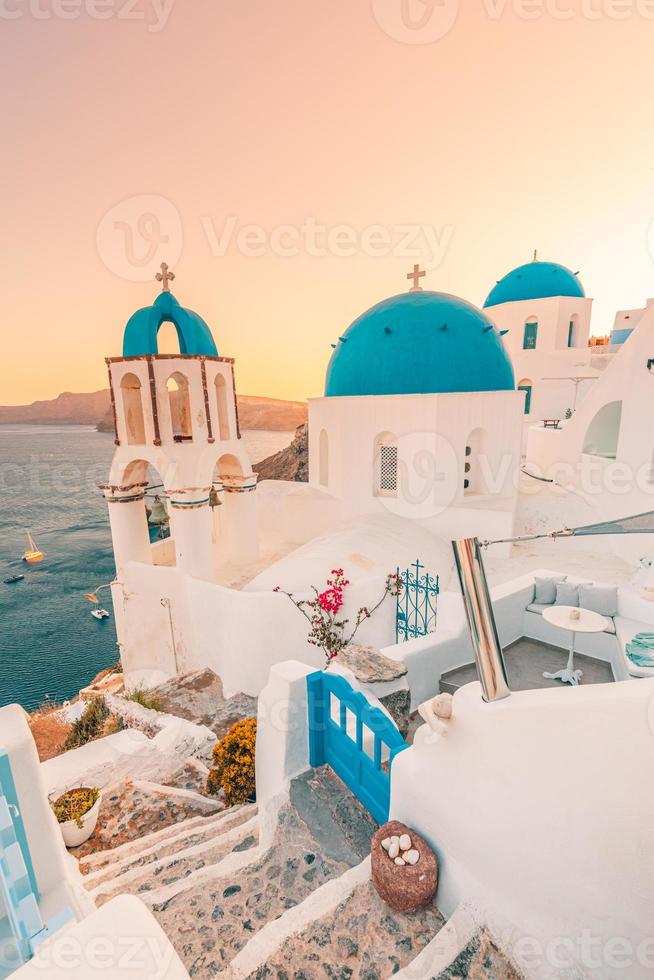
{"x":405,"y":842}
{"x":400,"y":861}
{"x":394,"y":849}
{"x":386,"y":843}
{"x":412,"y":856}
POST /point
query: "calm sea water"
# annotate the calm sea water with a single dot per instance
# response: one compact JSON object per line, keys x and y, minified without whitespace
{"x":50,"y":645}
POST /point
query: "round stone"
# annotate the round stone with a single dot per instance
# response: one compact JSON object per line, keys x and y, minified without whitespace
{"x":400,"y":862}
{"x":405,"y":842}
{"x":406,"y":887}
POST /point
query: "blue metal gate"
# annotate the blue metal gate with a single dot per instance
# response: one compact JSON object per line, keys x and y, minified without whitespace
{"x":358,"y":741}
{"x":417,"y":603}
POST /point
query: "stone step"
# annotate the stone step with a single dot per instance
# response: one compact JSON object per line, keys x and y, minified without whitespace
{"x":185,"y":860}
{"x":189,"y":834}
{"x":217,"y":910}
{"x":133,"y":811}
{"x":481,"y":959}
{"x":360,"y":938}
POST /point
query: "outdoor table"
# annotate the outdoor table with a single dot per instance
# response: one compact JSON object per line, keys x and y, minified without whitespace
{"x":588,"y":622}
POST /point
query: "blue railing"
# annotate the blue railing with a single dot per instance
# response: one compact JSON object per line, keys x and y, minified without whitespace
{"x":417,"y":603}
{"x":358,"y":741}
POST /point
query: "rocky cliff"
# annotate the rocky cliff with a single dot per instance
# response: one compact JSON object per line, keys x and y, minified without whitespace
{"x":273,"y":414}
{"x":291,"y":463}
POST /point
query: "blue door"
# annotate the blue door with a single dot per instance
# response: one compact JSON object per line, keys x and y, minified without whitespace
{"x":530,"y":335}
{"x":527,"y":391}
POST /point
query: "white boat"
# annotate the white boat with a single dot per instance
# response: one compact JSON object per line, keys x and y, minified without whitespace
{"x":100,"y":614}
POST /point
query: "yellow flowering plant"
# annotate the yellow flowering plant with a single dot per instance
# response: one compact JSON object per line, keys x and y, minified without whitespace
{"x":233,"y":763}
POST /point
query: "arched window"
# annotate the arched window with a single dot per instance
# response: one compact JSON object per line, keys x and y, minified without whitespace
{"x":222,"y":408}
{"x":475,"y":462}
{"x":526,"y":386}
{"x":386,"y":465}
{"x":603,"y":433}
{"x":530,"y":335}
{"x":572,"y":332}
{"x":130,"y":387}
{"x":168,"y":339}
{"x":179,"y":401}
{"x":323,"y":449}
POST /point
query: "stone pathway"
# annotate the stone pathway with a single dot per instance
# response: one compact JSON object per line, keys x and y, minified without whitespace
{"x":362,"y":939}
{"x":480,"y":960}
{"x":336,"y":818}
{"x":130,"y":812}
{"x":210,"y":922}
{"x":199,"y":697}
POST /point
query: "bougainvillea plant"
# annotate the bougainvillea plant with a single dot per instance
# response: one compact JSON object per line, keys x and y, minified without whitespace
{"x":327,"y":630}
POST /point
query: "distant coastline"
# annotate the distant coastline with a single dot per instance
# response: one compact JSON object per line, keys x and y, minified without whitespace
{"x":94,"y":408}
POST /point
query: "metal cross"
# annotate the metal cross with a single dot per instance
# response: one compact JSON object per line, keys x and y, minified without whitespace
{"x":164,"y":277}
{"x":416,"y":275}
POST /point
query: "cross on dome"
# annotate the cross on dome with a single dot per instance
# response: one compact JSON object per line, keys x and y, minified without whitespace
{"x":416,"y":275}
{"x":164,"y":277}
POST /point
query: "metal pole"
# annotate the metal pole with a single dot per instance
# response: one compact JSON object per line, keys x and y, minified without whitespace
{"x":481,"y":621}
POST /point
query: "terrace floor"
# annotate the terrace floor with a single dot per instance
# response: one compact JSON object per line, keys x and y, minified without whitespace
{"x":525,"y":662}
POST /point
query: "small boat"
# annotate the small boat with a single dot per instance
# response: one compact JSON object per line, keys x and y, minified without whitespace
{"x":14,"y":578}
{"x":32,"y":554}
{"x":100,"y":614}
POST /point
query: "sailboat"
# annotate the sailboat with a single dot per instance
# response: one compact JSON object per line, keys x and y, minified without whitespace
{"x":32,"y":554}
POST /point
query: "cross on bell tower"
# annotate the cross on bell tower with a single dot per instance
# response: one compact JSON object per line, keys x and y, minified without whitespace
{"x":416,"y":275}
{"x":164,"y":277}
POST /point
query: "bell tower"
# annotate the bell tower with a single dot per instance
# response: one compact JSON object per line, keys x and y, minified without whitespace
{"x":177,"y":439}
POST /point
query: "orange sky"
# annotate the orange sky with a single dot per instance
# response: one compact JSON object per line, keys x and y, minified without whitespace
{"x":521,"y":127}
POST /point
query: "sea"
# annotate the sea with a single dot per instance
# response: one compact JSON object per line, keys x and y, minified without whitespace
{"x":50,"y":645}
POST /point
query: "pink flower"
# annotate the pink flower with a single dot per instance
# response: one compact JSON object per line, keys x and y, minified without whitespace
{"x":331,"y":600}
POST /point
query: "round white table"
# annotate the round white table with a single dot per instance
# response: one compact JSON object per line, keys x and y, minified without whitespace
{"x":588,"y":622}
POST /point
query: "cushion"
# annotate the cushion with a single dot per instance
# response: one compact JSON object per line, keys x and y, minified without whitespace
{"x":537,"y":607}
{"x":545,"y":589}
{"x":611,"y":627}
{"x":602,"y":599}
{"x":567,"y":593}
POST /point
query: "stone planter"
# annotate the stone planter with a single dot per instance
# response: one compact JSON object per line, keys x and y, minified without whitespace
{"x":408,"y":887}
{"x":73,"y":834}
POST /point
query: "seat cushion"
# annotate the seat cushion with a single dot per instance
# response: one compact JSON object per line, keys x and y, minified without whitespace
{"x":611,"y":627}
{"x":537,"y":607}
{"x":545,"y":589}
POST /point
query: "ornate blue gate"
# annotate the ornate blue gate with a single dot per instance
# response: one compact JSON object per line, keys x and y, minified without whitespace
{"x":417,"y":603}
{"x":358,"y":741}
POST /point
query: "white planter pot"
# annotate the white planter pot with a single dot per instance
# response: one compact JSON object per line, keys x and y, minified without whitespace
{"x":73,"y":834}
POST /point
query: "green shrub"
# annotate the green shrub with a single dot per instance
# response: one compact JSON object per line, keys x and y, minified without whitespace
{"x":145,"y":699}
{"x":89,"y":726}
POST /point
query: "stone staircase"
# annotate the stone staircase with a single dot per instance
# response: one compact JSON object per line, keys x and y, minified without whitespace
{"x":283,"y":894}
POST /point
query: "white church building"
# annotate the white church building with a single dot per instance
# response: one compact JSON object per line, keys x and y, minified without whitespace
{"x":417,"y":439}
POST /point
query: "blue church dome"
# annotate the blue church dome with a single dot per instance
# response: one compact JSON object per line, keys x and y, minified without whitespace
{"x":142,"y":328}
{"x":535,"y":280}
{"x":419,"y":343}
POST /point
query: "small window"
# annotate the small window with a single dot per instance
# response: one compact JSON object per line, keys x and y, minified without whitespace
{"x":530,"y":335}
{"x":388,"y":469}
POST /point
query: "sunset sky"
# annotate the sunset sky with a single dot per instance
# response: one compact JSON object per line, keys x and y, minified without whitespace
{"x":526,"y":125}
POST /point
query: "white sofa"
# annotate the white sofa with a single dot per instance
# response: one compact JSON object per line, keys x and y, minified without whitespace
{"x":517,"y":616}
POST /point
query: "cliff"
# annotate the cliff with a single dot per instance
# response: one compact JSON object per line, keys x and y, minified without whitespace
{"x":289,"y":464}
{"x":95,"y":409}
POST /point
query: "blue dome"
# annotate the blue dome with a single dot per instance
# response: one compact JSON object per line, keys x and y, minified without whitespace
{"x":419,"y":343}
{"x":142,"y":328}
{"x":535,"y":280}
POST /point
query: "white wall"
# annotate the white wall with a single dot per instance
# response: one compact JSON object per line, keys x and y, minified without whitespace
{"x":540,"y":809}
{"x":432,"y":433}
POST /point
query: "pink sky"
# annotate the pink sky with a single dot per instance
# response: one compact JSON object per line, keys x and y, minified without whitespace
{"x":506,"y":134}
